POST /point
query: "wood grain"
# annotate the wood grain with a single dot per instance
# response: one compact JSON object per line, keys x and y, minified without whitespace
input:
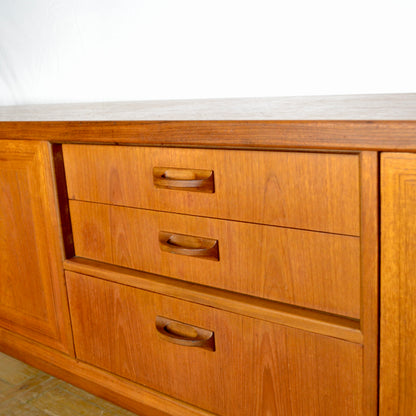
{"x":184,"y":179}
{"x":369,"y":168}
{"x":32,"y":291}
{"x":270,"y":311}
{"x":92,"y":231}
{"x":398,"y":285}
{"x":295,"y":359}
{"x":326,"y":134}
{"x":62,"y":197}
{"x":315,"y":191}
{"x":309,"y":269}
{"x":247,"y":374}
{"x":189,"y":245}
{"x":132,"y":396}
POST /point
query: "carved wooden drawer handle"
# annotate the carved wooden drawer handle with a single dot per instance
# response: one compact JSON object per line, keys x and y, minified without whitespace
{"x":194,"y":180}
{"x":184,"y":334}
{"x":188,"y":245}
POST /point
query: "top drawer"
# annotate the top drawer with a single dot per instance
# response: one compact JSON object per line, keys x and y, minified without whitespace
{"x":316,"y":191}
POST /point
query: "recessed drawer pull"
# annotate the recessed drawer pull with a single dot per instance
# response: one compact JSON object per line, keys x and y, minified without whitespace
{"x":184,"y":334}
{"x":194,"y":180}
{"x":188,"y":245}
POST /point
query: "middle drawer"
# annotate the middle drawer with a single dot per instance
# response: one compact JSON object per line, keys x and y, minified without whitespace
{"x":305,"y":268}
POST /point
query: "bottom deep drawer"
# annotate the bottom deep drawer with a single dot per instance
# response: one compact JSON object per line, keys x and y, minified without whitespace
{"x":223,"y":362}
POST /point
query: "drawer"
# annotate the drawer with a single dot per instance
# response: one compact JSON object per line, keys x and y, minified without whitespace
{"x":220,"y":361}
{"x":314,"y":191}
{"x":306,"y":268}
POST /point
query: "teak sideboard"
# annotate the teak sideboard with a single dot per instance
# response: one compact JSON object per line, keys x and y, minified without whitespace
{"x":242,"y":257}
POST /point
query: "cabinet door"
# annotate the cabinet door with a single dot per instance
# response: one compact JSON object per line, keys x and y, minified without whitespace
{"x":398,"y":285}
{"x":32,"y":293}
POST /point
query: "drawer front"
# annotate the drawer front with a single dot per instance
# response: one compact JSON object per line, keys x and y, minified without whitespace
{"x":314,"y":191}
{"x":250,"y":367}
{"x":305,"y":268}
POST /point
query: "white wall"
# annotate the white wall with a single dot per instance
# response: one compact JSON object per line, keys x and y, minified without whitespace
{"x":102,"y":50}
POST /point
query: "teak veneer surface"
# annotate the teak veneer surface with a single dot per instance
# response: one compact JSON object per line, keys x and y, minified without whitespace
{"x":398,"y":285}
{"x":315,"y":191}
{"x":309,"y":269}
{"x":362,"y":122}
{"x":326,"y":135}
{"x":257,"y":368}
{"x":369,"y":162}
{"x":254,"y":307}
{"x":329,"y":363}
{"x":125,"y":393}
{"x":32,"y":291}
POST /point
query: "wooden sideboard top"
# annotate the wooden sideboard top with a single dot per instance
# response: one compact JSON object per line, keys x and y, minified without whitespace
{"x":336,"y":107}
{"x":355,"y":122}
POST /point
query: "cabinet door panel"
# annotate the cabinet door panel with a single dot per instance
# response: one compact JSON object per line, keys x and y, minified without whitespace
{"x":398,"y":285}
{"x":32,"y":291}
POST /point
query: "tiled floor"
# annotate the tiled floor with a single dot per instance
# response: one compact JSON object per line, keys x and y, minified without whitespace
{"x":25,"y":391}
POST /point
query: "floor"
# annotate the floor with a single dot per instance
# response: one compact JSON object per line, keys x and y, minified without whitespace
{"x":26,"y":391}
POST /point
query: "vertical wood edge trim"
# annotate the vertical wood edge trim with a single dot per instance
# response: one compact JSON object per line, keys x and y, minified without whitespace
{"x":389,"y":371}
{"x":369,"y":277}
{"x":52,"y":222}
{"x":61,"y":195}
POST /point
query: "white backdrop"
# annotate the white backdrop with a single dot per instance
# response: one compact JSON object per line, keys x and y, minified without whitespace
{"x":109,"y":50}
